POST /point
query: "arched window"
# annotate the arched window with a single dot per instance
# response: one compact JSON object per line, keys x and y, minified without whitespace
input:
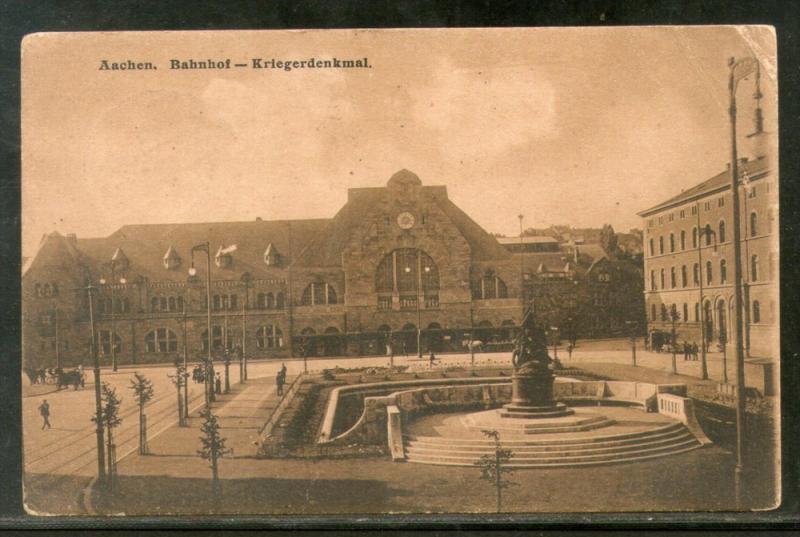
{"x":672,"y":281}
{"x":261,"y":301}
{"x":491,"y":286}
{"x":279,"y":301}
{"x":404,"y":270}
{"x":694,"y":237}
{"x":269,"y":337}
{"x":671,"y":242}
{"x":317,"y":293}
{"x":754,"y":268}
{"x":685,"y":312}
{"x":662,"y":278}
{"x":161,"y":340}
{"x":707,"y":232}
{"x":163,"y":303}
{"x":723,"y":271}
{"x":652,"y":312}
{"x":753,"y":224}
{"x":721,"y":234}
{"x":270,"y":301}
{"x":709,"y":273}
{"x":756,"y":312}
{"x":697,"y":312}
{"x":683,"y":239}
{"x":105,"y":343}
{"x":661,"y":245}
{"x":652,"y":250}
{"x":653,"y":280}
{"x":154,"y":304}
{"x":696,"y":274}
{"x":663,"y":312}
{"x":216,"y":336}
{"x":673,"y":312}
{"x":684,"y":276}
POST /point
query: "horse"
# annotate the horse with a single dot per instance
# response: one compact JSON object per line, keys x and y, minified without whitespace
{"x":67,"y":378}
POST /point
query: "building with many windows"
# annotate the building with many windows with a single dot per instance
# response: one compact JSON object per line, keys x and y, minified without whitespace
{"x":688,"y":263}
{"x":398,"y":263}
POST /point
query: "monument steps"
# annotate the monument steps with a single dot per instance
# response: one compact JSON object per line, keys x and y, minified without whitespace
{"x":612,"y":438}
{"x":642,"y":451}
{"x":542,"y":428}
{"x":586,"y":449}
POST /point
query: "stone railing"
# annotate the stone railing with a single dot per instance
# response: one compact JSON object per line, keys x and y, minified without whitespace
{"x":285,"y":400}
{"x":394,"y":430}
{"x":682,"y":409}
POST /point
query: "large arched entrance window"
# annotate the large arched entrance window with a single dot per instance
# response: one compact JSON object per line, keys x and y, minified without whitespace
{"x":722,"y":326}
{"x":708,"y":318}
{"x":409,"y":273}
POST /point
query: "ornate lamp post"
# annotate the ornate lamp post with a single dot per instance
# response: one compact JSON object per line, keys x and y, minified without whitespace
{"x":209,"y":382}
{"x":738,"y":70}
{"x":702,"y":231}
{"x":101,"y":470}
{"x":633,"y":325}
{"x":113,"y":336}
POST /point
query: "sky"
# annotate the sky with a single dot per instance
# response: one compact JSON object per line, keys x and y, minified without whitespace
{"x":565,"y":126}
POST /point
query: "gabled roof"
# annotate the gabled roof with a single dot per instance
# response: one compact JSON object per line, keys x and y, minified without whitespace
{"x":721,"y":181}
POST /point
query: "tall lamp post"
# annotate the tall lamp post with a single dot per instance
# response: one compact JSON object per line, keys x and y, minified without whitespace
{"x":101,"y":469}
{"x":209,"y":382}
{"x":246,"y":279}
{"x":633,"y":325}
{"x":113,"y":336}
{"x":701,"y":231}
{"x":673,"y":317}
{"x":185,"y":369}
{"x":420,"y":297}
{"x":738,"y":70}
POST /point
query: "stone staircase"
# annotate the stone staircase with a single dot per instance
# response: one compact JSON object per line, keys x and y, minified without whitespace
{"x":659,"y":441}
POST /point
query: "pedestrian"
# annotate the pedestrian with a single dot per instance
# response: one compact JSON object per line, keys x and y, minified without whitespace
{"x":218,"y":384}
{"x":44,"y":410}
{"x":283,"y":371}
{"x":694,"y":351}
{"x":279,"y":380}
{"x":432,"y":359}
{"x":405,"y":349}
{"x":686,"y":351}
{"x":81,"y":376}
{"x":569,"y":351}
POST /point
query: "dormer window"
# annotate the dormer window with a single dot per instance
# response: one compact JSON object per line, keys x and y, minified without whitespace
{"x":171,"y":259}
{"x":224,"y":257}
{"x":119,"y":260}
{"x":271,"y":256}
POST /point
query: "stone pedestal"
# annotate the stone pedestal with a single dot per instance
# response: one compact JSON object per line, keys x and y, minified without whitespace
{"x":532,"y":396}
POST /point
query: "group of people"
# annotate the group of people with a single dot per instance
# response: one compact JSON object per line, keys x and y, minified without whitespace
{"x":57,"y":375}
{"x":690,"y":351}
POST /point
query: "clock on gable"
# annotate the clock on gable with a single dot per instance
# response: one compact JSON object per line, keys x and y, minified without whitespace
{"x":405,"y":220}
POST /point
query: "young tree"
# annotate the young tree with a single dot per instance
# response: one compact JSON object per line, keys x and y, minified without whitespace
{"x":493,"y":467}
{"x":142,"y":392}
{"x":179,"y":379}
{"x":109,"y":417}
{"x":213,"y":447}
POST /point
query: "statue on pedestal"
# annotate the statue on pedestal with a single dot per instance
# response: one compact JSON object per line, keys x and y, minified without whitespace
{"x":530,"y":354}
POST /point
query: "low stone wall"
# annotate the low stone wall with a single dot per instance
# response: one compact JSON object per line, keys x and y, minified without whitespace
{"x":682,"y":409}
{"x":411,"y":397}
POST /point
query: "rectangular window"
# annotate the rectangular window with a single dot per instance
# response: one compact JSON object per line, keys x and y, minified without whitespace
{"x":683,"y":214}
{"x":707,"y":206}
{"x":671,"y":217}
{"x":694,"y":210}
{"x":752,"y":193}
{"x":660,"y":219}
{"x":721,"y":202}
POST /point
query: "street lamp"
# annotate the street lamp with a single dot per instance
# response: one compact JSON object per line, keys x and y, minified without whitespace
{"x":673,"y":316}
{"x":112,"y":338}
{"x":633,"y":325}
{"x":101,"y":470}
{"x":703,"y":231}
{"x":418,"y":282}
{"x":246,"y":279}
{"x":209,"y":382}
{"x":738,"y":70}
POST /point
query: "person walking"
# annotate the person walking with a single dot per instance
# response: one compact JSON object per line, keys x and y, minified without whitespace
{"x":44,"y":410}
{"x":694,"y":351}
{"x":432,"y":359}
{"x":279,"y":380}
{"x":218,"y":384}
{"x":283,"y":371}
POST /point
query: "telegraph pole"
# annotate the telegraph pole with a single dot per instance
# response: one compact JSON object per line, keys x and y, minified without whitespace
{"x":101,"y":469}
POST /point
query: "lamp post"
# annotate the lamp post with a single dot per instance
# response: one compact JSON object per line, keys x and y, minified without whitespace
{"x":703,"y":338}
{"x":246,"y":279}
{"x":227,"y":358}
{"x":633,"y":325}
{"x":101,"y":470}
{"x":521,"y":267}
{"x":58,"y":347}
{"x":113,"y":338}
{"x":209,"y":382}
{"x":738,"y":70}
{"x":420,"y":297}
{"x":673,"y":316}
{"x":185,"y":370}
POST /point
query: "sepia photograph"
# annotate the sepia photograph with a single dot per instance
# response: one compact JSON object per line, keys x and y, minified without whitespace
{"x":405,"y":271}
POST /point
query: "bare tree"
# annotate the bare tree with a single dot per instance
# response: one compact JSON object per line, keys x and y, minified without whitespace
{"x":213,"y":447}
{"x":494,"y":467}
{"x":142,"y":392}
{"x":109,"y":417}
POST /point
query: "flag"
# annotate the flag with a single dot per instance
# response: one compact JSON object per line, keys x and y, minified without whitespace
{"x":227,"y":250}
